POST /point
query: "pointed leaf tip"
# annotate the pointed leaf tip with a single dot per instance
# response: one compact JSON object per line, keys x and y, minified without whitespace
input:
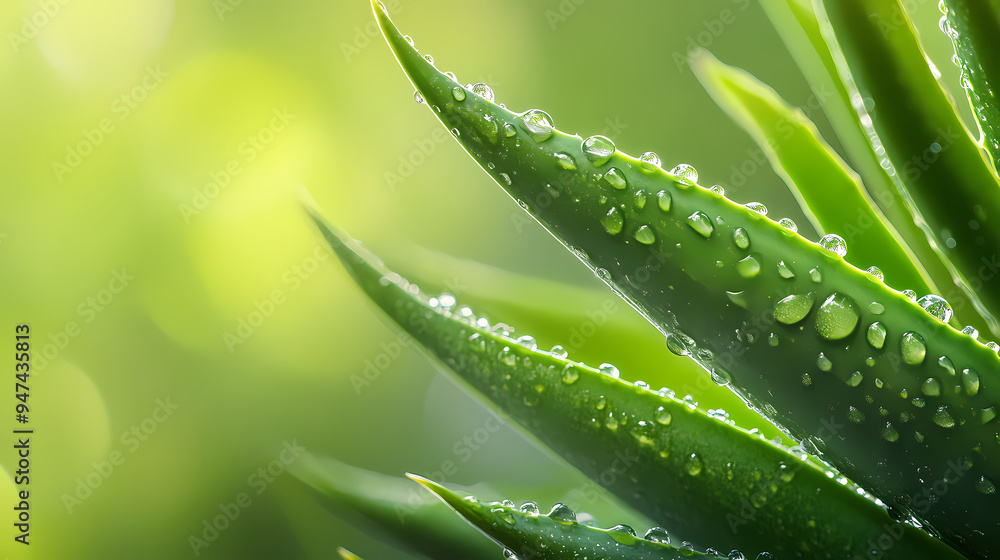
{"x":347,"y":554}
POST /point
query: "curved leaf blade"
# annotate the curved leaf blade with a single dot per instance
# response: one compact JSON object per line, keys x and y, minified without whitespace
{"x":554,"y":537}
{"x":347,"y":554}
{"x":949,"y":186}
{"x":974,"y":28}
{"x":694,"y":474}
{"x":387,"y":506}
{"x":662,"y":242}
{"x":828,"y":191}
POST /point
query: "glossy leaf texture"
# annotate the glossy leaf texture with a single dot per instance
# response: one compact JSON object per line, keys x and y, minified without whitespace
{"x":526,"y":533}
{"x":947,"y":179}
{"x":701,"y":477}
{"x":347,"y":554}
{"x":861,"y":374}
{"x":799,"y":28}
{"x":390,"y":508}
{"x":974,"y":29}
{"x":827,"y":189}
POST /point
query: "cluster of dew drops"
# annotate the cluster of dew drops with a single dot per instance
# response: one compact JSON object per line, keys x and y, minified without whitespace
{"x":839,"y":310}
{"x":623,"y":534}
{"x":965,"y":72}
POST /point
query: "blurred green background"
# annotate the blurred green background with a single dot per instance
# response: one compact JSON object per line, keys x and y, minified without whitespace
{"x":188,"y":326}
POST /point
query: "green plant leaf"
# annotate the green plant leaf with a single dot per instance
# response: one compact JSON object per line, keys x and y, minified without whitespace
{"x":800,"y":30}
{"x":525,"y":533}
{"x":947,"y":180}
{"x":388,"y":506}
{"x":974,"y":28}
{"x":347,"y":554}
{"x":699,"y":476}
{"x":778,"y":317}
{"x":829,"y":192}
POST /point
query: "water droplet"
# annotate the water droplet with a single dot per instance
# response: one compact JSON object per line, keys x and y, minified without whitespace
{"x":483,"y":90}
{"x":623,"y":534}
{"x":794,"y":308}
{"x":945,"y":363}
{"x":598,"y":149}
{"x":918,"y":402}
{"x":785,"y":271}
{"x":429,"y":58}
{"x":562,"y":513}
{"x":538,"y":124}
{"x":876,"y":273}
{"x":876,"y":308}
{"x":417,"y":97}
{"x":910,"y":294}
{"x":971,"y":331}
{"x":693,"y":465}
{"x":678,"y":344}
{"x":748,"y":267}
{"x":913,"y":348}
{"x":984,"y":486}
{"x":736,"y":555}
{"x":650,"y":160}
{"x":942,"y":417}
{"x":739,"y":298}
{"x":509,"y":130}
{"x":603,"y":274}
{"x":701,"y":223}
{"x":663,"y":416}
{"x":613,"y":221}
{"x":615,"y":178}
{"x":807,"y":379}
{"x":757,"y":207}
{"x":644,"y":235}
{"x":451,"y":76}
{"x":834,"y":243}
{"x":601,"y":403}
{"x":772,"y":339}
{"x":458,"y":92}
{"x":559,"y":352}
{"x":640,"y":199}
{"x":878,"y":383}
{"x":611,"y":423}
{"x":987,"y":414}
{"x":931,"y":387}
{"x":503,"y":515}
{"x":657,"y":535}
{"x":566,"y":161}
{"x":855,"y":379}
{"x":509,"y":554}
{"x":569,"y":374}
{"x":531,"y":508}
{"x":876,"y":335}
{"x":527,"y":342}
{"x":824,"y":363}
{"x":837,"y":317}
{"x":664,"y":200}
{"x":970,"y":381}
{"x":815,"y":275}
{"x":855,"y":415}
{"x":717,"y":189}
{"x":690,"y":402}
{"x":505,"y":178}
{"x":993,"y":346}
{"x":721,"y":378}
{"x":890,"y":433}
{"x":686,"y":172}
{"x":788,"y":224}
{"x":936,"y":306}
{"x":609,"y":370}
{"x":741,"y":238}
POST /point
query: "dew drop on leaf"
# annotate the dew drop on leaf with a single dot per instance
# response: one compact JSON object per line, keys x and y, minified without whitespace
{"x":701,"y":223}
{"x":615,"y":178}
{"x":837,"y":317}
{"x":834,"y":243}
{"x":538,"y":124}
{"x":663,"y":416}
{"x":566,"y":161}
{"x":855,"y":379}
{"x":609,"y":370}
{"x":913,"y":348}
{"x":598,"y":149}
{"x":794,"y":308}
{"x":784,"y":271}
{"x":931,"y":387}
{"x":458,"y":92}
{"x":644,"y":235}
{"x":876,"y":335}
{"x":741,"y":238}
{"x":970,"y":381}
{"x":664,"y":200}
{"x":613,"y":221}
{"x":936,"y":306}
{"x":562,"y":513}
{"x":686,"y":172}
{"x":757,"y":207}
{"x":650,"y":160}
{"x":693,"y":465}
{"x":483,"y":90}
{"x":942,"y":417}
{"x":824,"y":363}
{"x":876,"y":273}
{"x":788,"y":224}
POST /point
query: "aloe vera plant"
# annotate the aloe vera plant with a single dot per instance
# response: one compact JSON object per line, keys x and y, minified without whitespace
{"x":877,"y":385}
